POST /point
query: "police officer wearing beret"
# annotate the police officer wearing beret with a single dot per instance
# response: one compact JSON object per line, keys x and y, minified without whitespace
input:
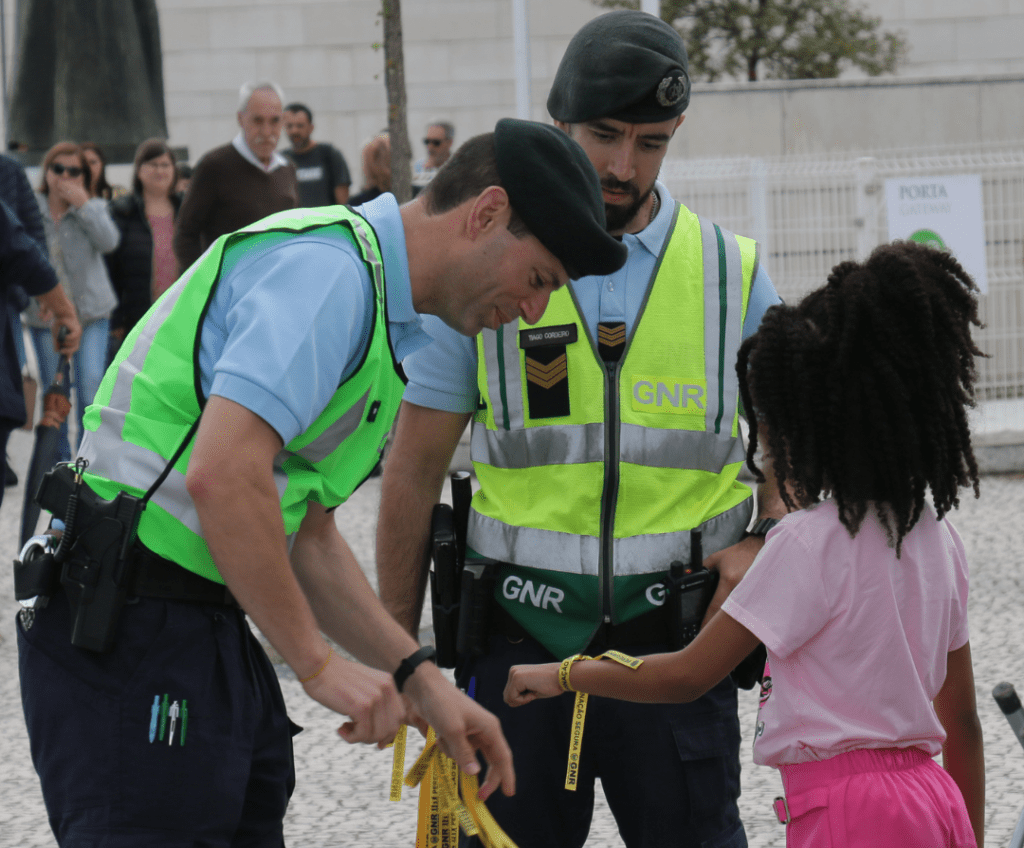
{"x":265,"y":383}
{"x":601,"y":438}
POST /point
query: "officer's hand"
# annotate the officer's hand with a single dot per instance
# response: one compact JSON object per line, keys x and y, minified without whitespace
{"x":732,"y":563}
{"x":528,"y":682}
{"x":364,"y":694}
{"x":462,"y":726}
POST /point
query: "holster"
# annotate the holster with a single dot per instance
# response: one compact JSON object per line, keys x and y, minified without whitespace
{"x":444,"y":584}
{"x":95,"y":555}
{"x":448,"y":551}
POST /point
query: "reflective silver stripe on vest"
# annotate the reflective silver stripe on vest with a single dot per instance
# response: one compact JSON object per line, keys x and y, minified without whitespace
{"x":131,"y":465}
{"x":375,"y":262}
{"x":504,"y":361}
{"x":571,"y":554}
{"x":714,"y":341}
{"x":121,"y":395}
{"x":327,"y":442}
{"x":571,"y":444}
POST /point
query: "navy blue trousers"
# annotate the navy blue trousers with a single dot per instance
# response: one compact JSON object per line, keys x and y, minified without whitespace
{"x":670,"y":772}
{"x":176,"y":737}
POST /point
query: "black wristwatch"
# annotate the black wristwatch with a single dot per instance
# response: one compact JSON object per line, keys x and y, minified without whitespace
{"x":408,"y":665}
{"x":762,"y":526}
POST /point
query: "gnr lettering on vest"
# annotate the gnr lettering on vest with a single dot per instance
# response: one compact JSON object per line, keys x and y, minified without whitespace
{"x":540,"y":595}
{"x":678,"y":396}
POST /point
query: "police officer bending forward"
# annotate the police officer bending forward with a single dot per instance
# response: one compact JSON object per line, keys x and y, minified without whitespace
{"x":280,"y":344}
{"x":601,"y":438}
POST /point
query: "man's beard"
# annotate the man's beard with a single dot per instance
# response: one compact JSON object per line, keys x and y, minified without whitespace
{"x":618,"y":217}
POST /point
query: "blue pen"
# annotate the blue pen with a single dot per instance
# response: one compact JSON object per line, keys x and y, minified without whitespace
{"x":153,"y":717}
{"x":471,"y":691}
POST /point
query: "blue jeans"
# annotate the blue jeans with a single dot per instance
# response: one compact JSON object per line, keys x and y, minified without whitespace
{"x":87,"y":368}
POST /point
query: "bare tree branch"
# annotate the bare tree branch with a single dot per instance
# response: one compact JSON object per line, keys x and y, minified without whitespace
{"x":394,"y":81}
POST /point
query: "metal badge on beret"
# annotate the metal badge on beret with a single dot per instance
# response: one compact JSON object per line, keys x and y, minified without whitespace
{"x":673,"y":88}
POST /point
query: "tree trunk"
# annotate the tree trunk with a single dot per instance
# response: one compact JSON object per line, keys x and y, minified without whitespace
{"x":394,"y":81}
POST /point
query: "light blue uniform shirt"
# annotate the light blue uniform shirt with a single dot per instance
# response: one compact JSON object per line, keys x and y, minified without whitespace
{"x":292,"y":315}
{"x":443,"y":375}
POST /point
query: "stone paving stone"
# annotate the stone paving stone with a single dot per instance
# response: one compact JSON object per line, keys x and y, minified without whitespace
{"x":341,"y":795}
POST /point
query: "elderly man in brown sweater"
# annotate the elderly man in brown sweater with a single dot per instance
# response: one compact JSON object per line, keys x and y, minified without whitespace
{"x":240,"y":182}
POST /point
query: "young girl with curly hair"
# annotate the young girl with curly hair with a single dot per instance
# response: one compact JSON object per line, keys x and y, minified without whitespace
{"x":859,"y":397}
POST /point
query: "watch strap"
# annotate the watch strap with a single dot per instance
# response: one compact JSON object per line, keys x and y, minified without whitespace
{"x":762,"y":526}
{"x":407,"y":666}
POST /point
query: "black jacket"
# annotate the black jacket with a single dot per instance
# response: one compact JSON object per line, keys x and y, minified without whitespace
{"x":22,"y":264}
{"x":131,"y":264}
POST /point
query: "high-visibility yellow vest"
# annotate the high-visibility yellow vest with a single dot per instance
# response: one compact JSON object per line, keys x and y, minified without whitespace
{"x":592,"y":476}
{"x":151,"y":396}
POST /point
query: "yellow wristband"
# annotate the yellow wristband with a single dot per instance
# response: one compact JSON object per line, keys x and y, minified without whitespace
{"x":330,"y":652}
{"x":565,"y":668}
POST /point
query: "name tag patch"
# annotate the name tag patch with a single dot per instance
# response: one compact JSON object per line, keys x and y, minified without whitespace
{"x":542,"y":336}
{"x":668,"y":395}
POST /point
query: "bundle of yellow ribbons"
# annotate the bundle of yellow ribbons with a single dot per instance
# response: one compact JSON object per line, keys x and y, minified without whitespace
{"x":448,"y":799}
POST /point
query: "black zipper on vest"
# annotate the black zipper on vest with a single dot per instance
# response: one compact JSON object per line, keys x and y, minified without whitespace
{"x":610,"y":495}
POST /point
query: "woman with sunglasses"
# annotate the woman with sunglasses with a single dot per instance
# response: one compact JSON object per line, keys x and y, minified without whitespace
{"x":79,"y":230}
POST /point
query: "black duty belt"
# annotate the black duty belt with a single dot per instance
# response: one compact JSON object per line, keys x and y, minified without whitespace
{"x":647,"y":629}
{"x":157,"y":577}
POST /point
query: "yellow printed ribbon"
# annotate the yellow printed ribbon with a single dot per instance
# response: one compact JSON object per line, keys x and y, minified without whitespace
{"x":443,"y":810}
{"x":579,"y":709}
{"x":398,"y":763}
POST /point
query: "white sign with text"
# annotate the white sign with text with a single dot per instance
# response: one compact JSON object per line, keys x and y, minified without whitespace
{"x":942,"y":212}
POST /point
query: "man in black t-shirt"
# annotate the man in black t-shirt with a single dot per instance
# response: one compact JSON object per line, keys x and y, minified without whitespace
{"x":321,"y":169}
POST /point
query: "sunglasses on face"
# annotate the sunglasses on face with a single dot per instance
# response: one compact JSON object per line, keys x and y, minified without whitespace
{"x":71,"y":170}
{"x":433,"y":142}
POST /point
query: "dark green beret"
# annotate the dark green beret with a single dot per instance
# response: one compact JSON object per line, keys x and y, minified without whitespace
{"x":555,"y":190}
{"x":626,"y":65}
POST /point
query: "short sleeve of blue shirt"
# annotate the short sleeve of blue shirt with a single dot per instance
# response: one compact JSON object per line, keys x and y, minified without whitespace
{"x":287,"y":324}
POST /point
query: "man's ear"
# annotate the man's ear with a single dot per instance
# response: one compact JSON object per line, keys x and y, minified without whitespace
{"x":564,"y":127}
{"x":238,"y":117}
{"x":490,"y":210}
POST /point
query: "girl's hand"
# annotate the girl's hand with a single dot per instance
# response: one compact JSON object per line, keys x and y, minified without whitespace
{"x":529,"y":682}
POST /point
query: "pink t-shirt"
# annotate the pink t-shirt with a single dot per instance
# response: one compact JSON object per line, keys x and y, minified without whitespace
{"x":857,"y":639}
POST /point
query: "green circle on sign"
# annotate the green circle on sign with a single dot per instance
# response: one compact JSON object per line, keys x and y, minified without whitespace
{"x":929,"y":238}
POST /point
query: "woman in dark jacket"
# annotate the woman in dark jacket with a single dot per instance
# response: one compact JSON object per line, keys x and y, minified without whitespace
{"x":143,"y":266}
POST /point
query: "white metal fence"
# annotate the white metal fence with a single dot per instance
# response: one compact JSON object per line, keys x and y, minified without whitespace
{"x":809,"y":213}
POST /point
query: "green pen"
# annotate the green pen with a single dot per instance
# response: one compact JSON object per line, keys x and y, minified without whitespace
{"x":184,"y":720}
{"x":164,"y":706}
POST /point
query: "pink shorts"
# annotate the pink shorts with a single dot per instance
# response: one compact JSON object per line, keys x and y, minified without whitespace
{"x":886,"y":798}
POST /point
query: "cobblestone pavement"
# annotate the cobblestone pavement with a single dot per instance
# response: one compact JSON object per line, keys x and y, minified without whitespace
{"x":341,"y":796}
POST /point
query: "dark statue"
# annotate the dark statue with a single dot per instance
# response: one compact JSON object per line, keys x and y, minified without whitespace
{"x":88,"y":70}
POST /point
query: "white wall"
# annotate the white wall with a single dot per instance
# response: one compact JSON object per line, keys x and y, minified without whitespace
{"x":458,"y":63}
{"x":830,"y":116}
{"x":459,"y":66}
{"x":956,"y":37}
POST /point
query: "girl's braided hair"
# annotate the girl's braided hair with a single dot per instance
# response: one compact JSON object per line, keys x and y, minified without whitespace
{"x":862,"y":389}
